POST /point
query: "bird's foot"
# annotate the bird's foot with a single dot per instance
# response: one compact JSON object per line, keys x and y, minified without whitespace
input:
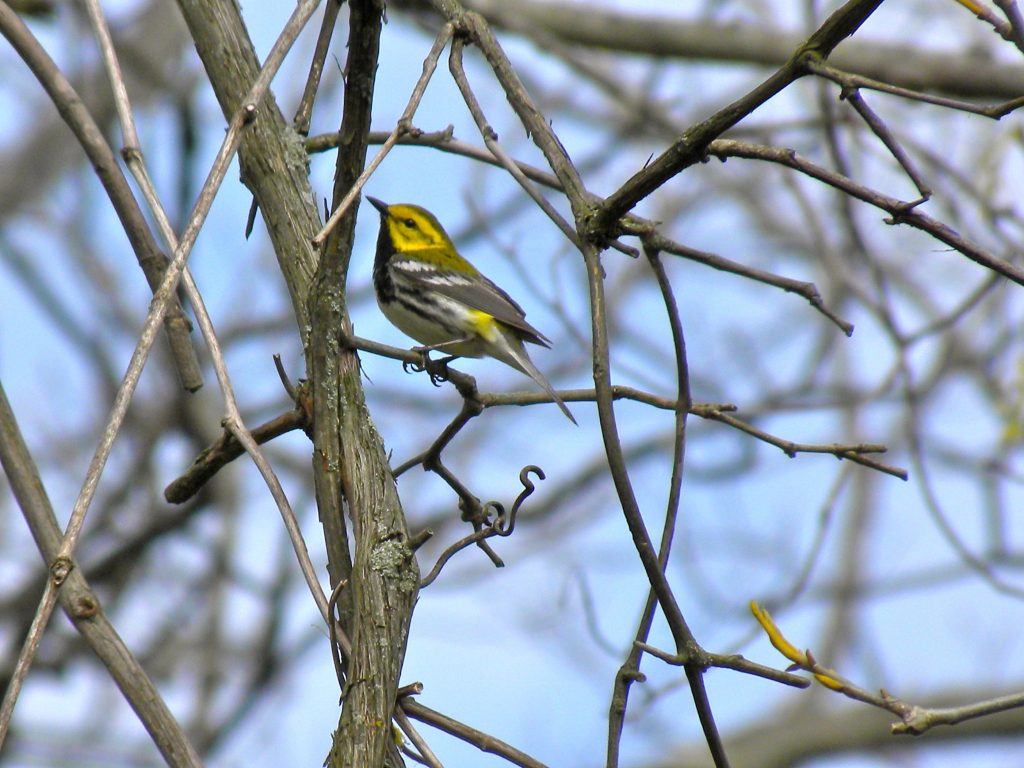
{"x":436,"y":369}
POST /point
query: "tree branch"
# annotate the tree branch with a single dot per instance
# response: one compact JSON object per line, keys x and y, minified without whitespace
{"x":956,"y":72}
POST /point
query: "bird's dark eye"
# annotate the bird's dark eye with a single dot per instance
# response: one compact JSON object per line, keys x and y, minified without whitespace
{"x":410,"y":223}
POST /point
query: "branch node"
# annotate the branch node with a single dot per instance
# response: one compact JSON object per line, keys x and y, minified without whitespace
{"x":418,"y":540}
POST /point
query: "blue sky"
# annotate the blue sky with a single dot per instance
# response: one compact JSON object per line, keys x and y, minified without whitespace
{"x":514,"y":652}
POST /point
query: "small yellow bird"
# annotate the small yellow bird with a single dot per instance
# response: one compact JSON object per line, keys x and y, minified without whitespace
{"x":429,"y":292}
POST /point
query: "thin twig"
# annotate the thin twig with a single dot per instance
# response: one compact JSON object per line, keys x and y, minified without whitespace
{"x":1015,"y":22}
{"x":402,"y":127}
{"x":130,"y":136}
{"x":681,"y":634}
{"x":464,"y":384}
{"x":853,"y":452}
{"x":304,"y":112}
{"x":237,"y":428}
{"x":692,"y":146}
{"x":913,"y":719}
{"x":502,"y":525}
{"x":470,"y":505}
{"x":532,"y":118}
{"x":849,"y":80}
{"x":425,"y":753}
{"x":881,"y":130}
{"x":480,"y":534}
{"x":483,"y":741}
{"x":440,"y":140}
{"x":901,"y":211}
{"x":800,"y":287}
{"x":1010,"y":30}
{"x":58,"y":572}
{"x":629,"y":672}
{"x":233,"y":421}
{"x":490,"y":138}
{"x":341,"y":646}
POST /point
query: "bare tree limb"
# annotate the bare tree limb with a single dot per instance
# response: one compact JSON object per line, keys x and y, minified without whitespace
{"x":82,"y":606}
{"x":955,"y":72}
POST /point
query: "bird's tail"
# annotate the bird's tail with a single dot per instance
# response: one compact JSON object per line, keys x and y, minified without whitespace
{"x":512,"y":352}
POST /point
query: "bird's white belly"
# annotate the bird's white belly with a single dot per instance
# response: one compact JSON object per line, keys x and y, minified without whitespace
{"x":458,"y":327}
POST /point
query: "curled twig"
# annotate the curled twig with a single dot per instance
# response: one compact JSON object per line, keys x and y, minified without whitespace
{"x":502,"y":524}
{"x":506,"y":525}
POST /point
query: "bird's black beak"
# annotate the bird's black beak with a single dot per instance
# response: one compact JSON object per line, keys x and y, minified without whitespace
{"x":379,"y":205}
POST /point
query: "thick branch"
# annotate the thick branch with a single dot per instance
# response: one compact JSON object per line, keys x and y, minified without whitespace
{"x":349,"y":458}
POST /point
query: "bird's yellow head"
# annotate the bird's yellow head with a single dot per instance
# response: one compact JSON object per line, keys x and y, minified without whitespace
{"x":411,"y":228}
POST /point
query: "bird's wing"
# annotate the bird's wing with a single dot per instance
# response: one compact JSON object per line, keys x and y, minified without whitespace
{"x":476,"y":292}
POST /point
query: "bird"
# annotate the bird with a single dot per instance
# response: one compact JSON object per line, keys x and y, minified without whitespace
{"x":435,"y":296}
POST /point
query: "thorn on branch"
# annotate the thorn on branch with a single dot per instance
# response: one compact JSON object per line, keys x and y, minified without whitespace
{"x":250,"y":220}
{"x":901,"y":211}
{"x":285,"y":381}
